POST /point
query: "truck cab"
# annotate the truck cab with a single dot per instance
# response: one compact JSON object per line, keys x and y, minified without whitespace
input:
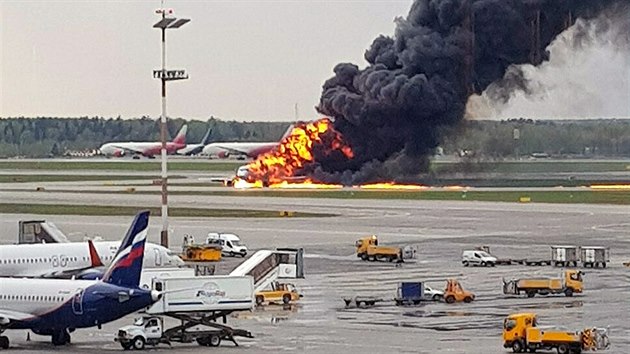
{"x":477,"y":257}
{"x":514,"y":327}
{"x":144,"y":330}
{"x":573,"y":280}
{"x":230,"y":243}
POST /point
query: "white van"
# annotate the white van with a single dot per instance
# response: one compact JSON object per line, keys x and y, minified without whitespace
{"x":230,"y":243}
{"x":481,"y":258}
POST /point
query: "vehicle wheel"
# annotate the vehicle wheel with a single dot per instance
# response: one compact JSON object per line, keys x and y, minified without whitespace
{"x":4,"y":342}
{"x":603,"y":264}
{"x":563,"y":349}
{"x":465,"y":263}
{"x":399,"y":302}
{"x":531,"y":293}
{"x":492,"y":264}
{"x":214,"y":340}
{"x":436,"y":297}
{"x":231,"y":254}
{"x":568,"y":292}
{"x":286,"y":298}
{"x":450,"y":299}
{"x":468,"y":299}
{"x":126,"y":346}
{"x":243,"y":254}
{"x":416,"y":302}
{"x":203,"y":341}
{"x":138,"y":343}
{"x":483,"y":264}
{"x":60,"y":338}
{"x":517,"y":346}
{"x":260,"y":299}
{"x":364,"y":257}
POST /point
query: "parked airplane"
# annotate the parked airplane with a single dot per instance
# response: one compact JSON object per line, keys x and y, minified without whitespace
{"x":55,"y":307}
{"x":73,"y":259}
{"x":195,"y":149}
{"x":242,"y":149}
{"x":148,"y":149}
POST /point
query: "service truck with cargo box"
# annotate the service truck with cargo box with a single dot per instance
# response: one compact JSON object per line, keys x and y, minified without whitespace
{"x":197,"y":302}
{"x":568,"y":284}
{"x":521,"y":333}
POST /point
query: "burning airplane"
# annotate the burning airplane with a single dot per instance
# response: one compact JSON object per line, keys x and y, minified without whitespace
{"x":385,"y":119}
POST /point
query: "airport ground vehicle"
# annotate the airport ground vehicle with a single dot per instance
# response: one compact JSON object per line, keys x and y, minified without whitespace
{"x":196,"y":252}
{"x":454,"y":292}
{"x":569,"y":283}
{"x":521,"y":333}
{"x":231,"y":244}
{"x":564,"y":256}
{"x":279,"y":292}
{"x":478,"y":257}
{"x":369,"y":250}
{"x":415,"y":292}
{"x":594,"y":256}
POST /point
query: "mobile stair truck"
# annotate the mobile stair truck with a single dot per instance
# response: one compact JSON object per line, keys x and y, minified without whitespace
{"x":569,"y":283}
{"x":522,"y":334}
{"x":197,"y":302}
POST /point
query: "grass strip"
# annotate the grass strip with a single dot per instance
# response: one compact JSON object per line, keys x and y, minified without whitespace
{"x":116,"y":210}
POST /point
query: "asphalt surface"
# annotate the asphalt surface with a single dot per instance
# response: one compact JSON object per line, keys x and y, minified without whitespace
{"x":440,"y":230}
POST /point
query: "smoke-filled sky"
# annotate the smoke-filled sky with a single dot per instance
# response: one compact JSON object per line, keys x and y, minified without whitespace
{"x":248,"y":60}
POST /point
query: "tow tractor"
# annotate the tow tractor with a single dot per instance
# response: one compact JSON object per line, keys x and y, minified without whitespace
{"x":521,"y":333}
{"x":454,"y":292}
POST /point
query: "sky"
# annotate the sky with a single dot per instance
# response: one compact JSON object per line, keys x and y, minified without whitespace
{"x":247,"y":60}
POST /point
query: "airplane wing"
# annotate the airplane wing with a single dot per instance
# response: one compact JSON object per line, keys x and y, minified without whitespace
{"x":7,"y":316}
{"x":95,"y":262}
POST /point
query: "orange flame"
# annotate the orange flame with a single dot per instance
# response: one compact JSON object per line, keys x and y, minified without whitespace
{"x":296,"y":151}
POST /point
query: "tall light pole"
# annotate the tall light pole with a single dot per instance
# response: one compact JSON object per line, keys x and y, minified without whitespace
{"x":167,"y":22}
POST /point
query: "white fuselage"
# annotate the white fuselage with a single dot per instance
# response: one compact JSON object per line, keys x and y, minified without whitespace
{"x":237,"y":148}
{"x":48,"y":259}
{"x":38,"y":296}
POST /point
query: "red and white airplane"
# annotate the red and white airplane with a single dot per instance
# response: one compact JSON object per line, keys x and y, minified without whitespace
{"x":242,"y":149}
{"x":148,"y":149}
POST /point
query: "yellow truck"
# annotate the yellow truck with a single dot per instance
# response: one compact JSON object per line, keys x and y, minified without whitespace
{"x":195,"y":252}
{"x":369,"y":250}
{"x":521,"y":333}
{"x":568,"y":284}
{"x":280,"y":292}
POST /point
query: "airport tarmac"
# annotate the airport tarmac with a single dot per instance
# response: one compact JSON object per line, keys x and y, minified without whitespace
{"x":440,"y":230}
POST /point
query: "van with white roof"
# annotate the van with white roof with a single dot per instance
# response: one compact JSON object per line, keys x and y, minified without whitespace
{"x":230,"y":243}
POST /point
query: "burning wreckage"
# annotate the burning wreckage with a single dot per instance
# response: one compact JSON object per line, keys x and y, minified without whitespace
{"x":386,"y":119}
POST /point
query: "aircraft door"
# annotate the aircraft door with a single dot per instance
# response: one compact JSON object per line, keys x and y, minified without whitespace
{"x":77,"y":302}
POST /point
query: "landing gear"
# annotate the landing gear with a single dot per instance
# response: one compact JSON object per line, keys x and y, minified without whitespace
{"x":4,"y":342}
{"x":61,"y":337}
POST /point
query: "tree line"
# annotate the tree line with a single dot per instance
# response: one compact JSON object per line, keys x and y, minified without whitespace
{"x":41,"y":137}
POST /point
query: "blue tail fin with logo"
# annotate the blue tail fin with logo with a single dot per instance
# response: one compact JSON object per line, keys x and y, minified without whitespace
{"x":127,"y":264}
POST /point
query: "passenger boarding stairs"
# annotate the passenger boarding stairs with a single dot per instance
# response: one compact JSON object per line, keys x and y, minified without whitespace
{"x":267,"y":266}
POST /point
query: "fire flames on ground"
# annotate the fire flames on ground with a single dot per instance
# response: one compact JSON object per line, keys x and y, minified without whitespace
{"x":287,"y":166}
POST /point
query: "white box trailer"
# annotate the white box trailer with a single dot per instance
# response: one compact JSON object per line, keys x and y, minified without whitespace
{"x":564,"y":256}
{"x":203,"y":294}
{"x":149,"y":274}
{"x":594,"y":256}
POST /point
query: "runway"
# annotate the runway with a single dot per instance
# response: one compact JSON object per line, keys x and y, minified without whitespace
{"x":440,"y":230}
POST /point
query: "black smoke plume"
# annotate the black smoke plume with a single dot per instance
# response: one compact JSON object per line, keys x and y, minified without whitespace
{"x":419,"y":80}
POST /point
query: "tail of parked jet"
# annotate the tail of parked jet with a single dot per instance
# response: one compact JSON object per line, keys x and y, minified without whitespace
{"x":206,"y":137}
{"x":127,"y":264}
{"x":180,"y":138}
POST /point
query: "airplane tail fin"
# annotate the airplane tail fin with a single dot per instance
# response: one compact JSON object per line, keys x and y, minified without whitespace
{"x":127,"y":264}
{"x":95,"y":260}
{"x":206,"y":137}
{"x":288,"y":132}
{"x":180,"y":138}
